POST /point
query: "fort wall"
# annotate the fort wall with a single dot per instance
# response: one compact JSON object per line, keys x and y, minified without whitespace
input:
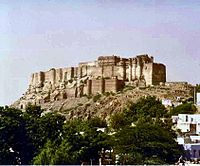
{"x":98,"y":86}
{"x":108,"y":73}
{"x":113,"y":85}
{"x":159,"y":74}
{"x":148,"y":73}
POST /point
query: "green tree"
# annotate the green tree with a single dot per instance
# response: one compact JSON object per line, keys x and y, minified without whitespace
{"x":143,"y":136}
{"x":186,"y":108}
{"x":23,"y":134}
{"x":147,"y":143}
{"x":46,"y":155}
{"x":97,"y":122}
{"x":12,"y":137}
{"x":197,"y":87}
{"x":118,"y":121}
{"x":148,"y":107}
{"x":51,"y":126}
{"x":80,"y":142}
{"x":40,"y":128}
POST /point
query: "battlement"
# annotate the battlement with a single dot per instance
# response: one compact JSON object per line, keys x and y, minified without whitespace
{"x":143,"y":59}
{"x":92,"y":63}
{"x":108,"y":60}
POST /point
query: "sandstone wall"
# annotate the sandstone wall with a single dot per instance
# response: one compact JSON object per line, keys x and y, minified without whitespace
{"x":71,"y":93}
{"x":54,"y":76}
{"x":119,"y":72}
{"x":88,"y":88}
{"x":94,"y":71}
{"x":98,"y":86}
{"x":103,"y":85}
{"x":148,"y":73}
{"x":50,"y":76}
{"x":113,"y":85}
{"x":108,"y":73}
{"x":159,"y":74}
{"x":67,"y":74}
{"x":139,"y":69}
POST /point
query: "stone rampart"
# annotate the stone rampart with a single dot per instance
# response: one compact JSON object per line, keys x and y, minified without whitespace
{"x":138,"y":69}
{"x":108,"y":73}
{"x":113,"y":85}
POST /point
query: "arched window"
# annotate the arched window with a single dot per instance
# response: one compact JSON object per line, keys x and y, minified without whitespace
{"x":186,"y":118}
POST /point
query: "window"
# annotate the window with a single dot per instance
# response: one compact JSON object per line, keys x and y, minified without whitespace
{"x":186,"y":118}
{"x":194,"y":153}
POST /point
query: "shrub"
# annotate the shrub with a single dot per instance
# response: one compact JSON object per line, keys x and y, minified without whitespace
{"x":96,"y":97}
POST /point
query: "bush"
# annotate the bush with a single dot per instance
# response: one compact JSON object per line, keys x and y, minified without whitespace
{"x":70,"y":81}
{"x":96,"y":97}
{"x":128,"y":87}
{"x":80,"y":104}
{"x":186,"y":108}
{"x":107,"y":94}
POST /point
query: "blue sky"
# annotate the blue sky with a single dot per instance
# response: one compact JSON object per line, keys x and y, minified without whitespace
{"x":38,"y":35}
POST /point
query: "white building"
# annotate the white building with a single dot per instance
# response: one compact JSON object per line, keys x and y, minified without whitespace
{"x":166,"y":102}
{"x":191,"y":146}
{"x":195,"y":138}
{"x":198,"y":99}
{"x":188,"y":123}
{"x":169,"y":103}
{"x":192,"y":150}
{"x":192,"y":139}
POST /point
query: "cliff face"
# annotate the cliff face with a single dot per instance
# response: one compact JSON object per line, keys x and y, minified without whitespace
{"x":107,"y":74}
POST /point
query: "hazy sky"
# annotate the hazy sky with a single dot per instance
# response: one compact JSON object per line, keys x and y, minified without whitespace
{"x":40,"y":34}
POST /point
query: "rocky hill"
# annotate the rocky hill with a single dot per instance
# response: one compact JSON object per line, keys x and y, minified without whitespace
{"x":104,"y":105}
{"x":101,"y":87}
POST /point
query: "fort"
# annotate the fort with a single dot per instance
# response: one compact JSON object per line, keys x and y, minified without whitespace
{"x":106,"y":74}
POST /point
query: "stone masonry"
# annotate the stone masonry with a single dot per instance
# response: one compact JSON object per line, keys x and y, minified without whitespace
{"x":106,"y":74}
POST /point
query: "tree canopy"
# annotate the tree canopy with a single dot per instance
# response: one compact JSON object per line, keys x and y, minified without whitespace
{"x":29,"y":130}
{"x":147,"y":143}
{"x":80,"y":142}
{"x":141,"y":134}
{"x":148,"y":107}
{"x":185,"y":108}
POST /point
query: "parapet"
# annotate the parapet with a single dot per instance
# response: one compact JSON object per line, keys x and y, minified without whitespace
{"x":108,"y":60}
{"x":143,"y":59}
